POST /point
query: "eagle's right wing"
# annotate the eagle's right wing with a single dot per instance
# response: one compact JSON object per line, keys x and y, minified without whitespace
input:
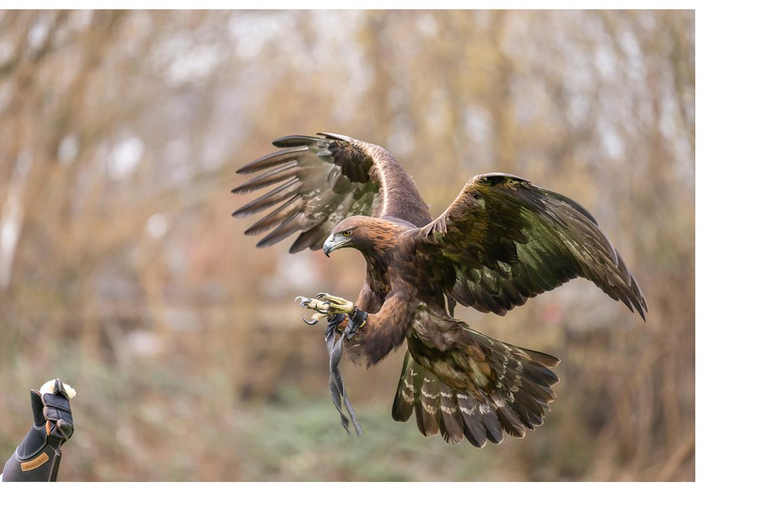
{"x":319,"y":181}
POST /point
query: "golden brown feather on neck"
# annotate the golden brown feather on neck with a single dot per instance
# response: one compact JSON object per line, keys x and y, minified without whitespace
{"x":393,"y":262}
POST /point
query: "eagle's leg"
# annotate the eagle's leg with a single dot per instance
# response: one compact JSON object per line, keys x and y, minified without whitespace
{"x":355,"y":316}
{"x":326,"y":305}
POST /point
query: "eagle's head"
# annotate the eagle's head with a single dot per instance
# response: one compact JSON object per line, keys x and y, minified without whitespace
{"x":366,"y":234}
{"x":343,"y":235}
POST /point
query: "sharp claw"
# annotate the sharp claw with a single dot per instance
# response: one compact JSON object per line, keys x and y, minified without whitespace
{"x":320,"y":295}
{"x":313,"y":319}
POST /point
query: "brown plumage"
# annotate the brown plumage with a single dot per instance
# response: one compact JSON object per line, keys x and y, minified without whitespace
{"x":501,"y":242}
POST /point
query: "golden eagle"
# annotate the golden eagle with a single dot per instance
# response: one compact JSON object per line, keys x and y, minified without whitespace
{"x":502,"y":241}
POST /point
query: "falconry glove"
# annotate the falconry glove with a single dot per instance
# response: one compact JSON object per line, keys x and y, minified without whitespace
{"x":37,"y":457}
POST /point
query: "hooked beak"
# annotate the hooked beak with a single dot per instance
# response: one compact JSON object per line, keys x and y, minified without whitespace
{"x":330,"y":245}
{"x":335,"y":241}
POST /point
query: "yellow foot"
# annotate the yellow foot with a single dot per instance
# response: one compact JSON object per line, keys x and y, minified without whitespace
{"x":325,"y":305}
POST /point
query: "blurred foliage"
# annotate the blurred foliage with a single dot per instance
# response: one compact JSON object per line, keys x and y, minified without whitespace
{"x":122,"y":272}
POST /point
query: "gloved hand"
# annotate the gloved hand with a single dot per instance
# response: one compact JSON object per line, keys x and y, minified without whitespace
{"x":37,"y":456}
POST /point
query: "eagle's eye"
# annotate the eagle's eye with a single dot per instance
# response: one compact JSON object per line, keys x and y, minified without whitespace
{"x":347,"y":233}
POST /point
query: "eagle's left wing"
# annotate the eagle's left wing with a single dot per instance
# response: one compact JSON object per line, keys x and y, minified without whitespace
{"x":504,"y":240}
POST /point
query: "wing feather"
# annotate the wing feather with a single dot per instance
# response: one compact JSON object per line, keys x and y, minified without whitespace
{"x":508,"y":240}
{"x":325,"y":179}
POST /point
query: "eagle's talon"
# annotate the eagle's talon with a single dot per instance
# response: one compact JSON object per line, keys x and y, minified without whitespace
{"x":336,"y":304}
{"x":327,"y":304}
{"x":313,"y":319}
{"x":303,"y":301}
{"x":309,"y":322}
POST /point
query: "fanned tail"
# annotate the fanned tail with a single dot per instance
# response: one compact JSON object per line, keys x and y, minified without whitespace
{"x":518,"y":399}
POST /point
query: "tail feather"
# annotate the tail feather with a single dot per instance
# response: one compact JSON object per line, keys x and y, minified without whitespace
{"x":492,"y":423}
{"x":518,"y":400}
{"x":404,"y":398}
{"x":535,"y":411}
{"x":540,"y":358}
{"x":510,"y":421}
{"x":542,"y":376}
{"x":451,"y":424}
{"x":474,"y":427}
{"x":430,"y":406}
{"x":540,"y":395}
{"x":425,"y":403}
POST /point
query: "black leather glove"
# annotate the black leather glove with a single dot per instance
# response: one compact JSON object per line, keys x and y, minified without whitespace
{"x":37,"y":457}
{"x":57,"y":413}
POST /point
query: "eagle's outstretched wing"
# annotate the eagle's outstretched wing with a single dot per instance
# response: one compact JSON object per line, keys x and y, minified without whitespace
{"x":319,"y":181}
{"x":504,"y":240}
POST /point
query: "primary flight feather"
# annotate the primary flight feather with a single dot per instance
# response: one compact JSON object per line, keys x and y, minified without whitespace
{"x":502,"y":241}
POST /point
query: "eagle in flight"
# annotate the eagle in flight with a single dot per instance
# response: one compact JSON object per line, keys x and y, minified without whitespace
{"x":502,"y":241}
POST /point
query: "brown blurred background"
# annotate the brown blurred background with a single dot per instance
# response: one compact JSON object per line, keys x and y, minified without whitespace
{"x":122,"y":271}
